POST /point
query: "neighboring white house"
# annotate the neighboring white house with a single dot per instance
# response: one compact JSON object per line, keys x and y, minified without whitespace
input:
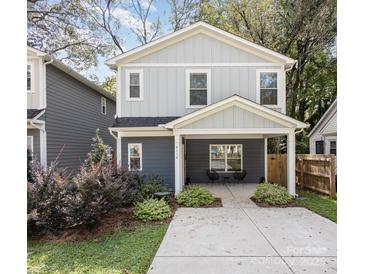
{"x":323,"y":137}
{"x":201,"y":99}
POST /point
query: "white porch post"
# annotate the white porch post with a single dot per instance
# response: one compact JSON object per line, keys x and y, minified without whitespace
{"x":119,"y":151}
{"x":291,"y":162}
{"x":265,"y":160}
{"x":178,"y":163}
{"x":43,"y":147}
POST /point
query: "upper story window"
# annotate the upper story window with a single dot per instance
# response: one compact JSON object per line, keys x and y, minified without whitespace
{"x":103,"y":105}
{"x":135,"y":157}
{"x":30,"y":77}
{"x":134,"y":85}
{"x":267,"y":87}
{"x":333,"y":147}
{"x":197,"y":88}
{"x":319,"y":147}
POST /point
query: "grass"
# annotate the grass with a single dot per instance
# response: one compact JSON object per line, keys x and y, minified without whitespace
{"x":322,"y":205}
{"x":131,"y":250}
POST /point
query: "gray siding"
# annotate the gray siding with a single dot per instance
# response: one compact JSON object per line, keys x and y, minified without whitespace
{"x":157,"y":157}
{"x":197,"y":158}
{"x":36,"y":141}
{"x":233,"y":117}
{"x":73,"y":114}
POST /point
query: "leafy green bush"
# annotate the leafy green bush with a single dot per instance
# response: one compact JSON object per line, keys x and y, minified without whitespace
{"x":147,"y":190}
{"x":272,"y":194}
{"x":195,"y":196}
{"x":152,"y":210}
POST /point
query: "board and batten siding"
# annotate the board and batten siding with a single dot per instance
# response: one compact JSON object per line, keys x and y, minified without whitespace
{"x":72,"y":116}
{"x":165,"y":86}
{"x":197,"y":159}
{"x":157,"y":157}
{"x":36,"y":141}
{"x":233,"y":117}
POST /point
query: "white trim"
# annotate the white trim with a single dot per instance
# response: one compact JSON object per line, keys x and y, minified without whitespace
{"x":119,"y":151}
{"x":141,"y":131}
{"x":179,"y":154}
{"x":31,"y":144}
{"x":187,"y":87}
{"x":140,"y":156}
{"x":152,"y":65}
{"x":265,"y":159}
{"x":102,"y":103}
{"x":225,"y":157}
{"x":200,"y":27}
{"x":280,"y":92}
{"x":281,"y":131}
{"x":240,"y":102}
{"x":291,"y":163}
{"x":127,"y":83}
{"x":32,"y":78}
{"x":43,"y":147}
{"x":324,"y":116}
{"x":119,"y":92}
{"x":225,"y":136}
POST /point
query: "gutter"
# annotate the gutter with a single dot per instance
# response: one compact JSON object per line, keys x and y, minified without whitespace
{"x":112,"y":134}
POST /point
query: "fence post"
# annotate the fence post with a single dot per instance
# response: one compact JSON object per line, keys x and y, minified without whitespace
{"x":301,"y":172}
{"x":332,"y":177}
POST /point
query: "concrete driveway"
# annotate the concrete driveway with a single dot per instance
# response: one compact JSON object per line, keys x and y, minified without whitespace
{"x":242,"y":238}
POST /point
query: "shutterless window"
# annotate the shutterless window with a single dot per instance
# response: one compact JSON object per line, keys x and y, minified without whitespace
{"x":198,"y":86}
{"x":226,"y":158}
{"x":135,"y":157}
{"x":29,"y":77}
{"x":30,"y":144}
{"x":134,"y":85}
{"x":103,"y":105}
{"x":268,"y":88}
{"x":319,"y":147}
{"x":333,"y":147}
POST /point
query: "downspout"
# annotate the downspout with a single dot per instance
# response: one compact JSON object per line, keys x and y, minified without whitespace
{"x":45,"y":82}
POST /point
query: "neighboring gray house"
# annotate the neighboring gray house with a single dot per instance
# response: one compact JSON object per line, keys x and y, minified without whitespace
{"x":200,"y":99}
{"x":323,"y":137}
{"x":64,"y":109}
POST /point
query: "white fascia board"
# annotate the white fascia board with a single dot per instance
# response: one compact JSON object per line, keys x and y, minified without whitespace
{"x":201,"y":27}
{"x":141,"y":131}
{"x":227,"y":131}
{"x":324,"y":116}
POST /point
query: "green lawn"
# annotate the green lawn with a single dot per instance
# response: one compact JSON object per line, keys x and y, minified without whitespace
{"x":132,"y":250}
{"x":320,"y":204}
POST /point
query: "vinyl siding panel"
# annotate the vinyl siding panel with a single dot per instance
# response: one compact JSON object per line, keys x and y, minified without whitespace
{"x":157,"y":157}
{"x":197,"y":159}
{"x":73,"y":114}
{"x":36,"y":141}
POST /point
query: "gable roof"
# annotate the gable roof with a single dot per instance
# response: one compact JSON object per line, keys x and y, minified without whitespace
{"x":240,"y":102}
{"x":61,"y":66}
{"x":332,"y":107}
{"x":200,"y":27}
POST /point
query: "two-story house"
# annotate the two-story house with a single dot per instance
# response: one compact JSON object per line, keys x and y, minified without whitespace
{"x":64,"y":109}
{"x":201,"y":99}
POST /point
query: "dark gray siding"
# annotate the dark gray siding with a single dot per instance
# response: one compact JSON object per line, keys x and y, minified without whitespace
{"x":36,"y":147}
{"x":73,"y":114}
{"x":157,"y":156}
{"x":197,"y":158}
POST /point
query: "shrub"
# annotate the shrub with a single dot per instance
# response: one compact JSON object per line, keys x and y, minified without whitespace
{"x":272,"y":194}
{"x":29,"y":166}
{"x":195,"y":196}
{"x":152,"y":210}
{"x":147,"y":190}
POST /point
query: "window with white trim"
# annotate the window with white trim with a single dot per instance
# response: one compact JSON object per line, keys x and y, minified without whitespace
{"x":135,"y":157}
{"x":103,"y":105}
{"x":134,"y":85}
{"x":268,"y":87}
{"x":198,"y":88}
{"x":30,"y":77}
{"x":225,"y":158}
{"x":30,"y":144}
{"x":333,"y":147}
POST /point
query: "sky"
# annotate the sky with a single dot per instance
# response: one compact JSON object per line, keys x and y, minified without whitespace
{"x":161,"y":9}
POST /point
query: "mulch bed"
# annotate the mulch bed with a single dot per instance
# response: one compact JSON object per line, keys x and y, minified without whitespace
{"x":120,"y":218}
{"x":293,"y":203}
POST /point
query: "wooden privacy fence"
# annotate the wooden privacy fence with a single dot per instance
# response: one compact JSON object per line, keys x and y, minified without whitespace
{"x":315,"y":172}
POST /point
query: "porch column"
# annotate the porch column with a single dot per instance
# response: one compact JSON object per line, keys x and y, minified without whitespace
{"x":119,"y":151}
{"x":265,"y":160}
{"x":291,"y":162}
{"x":178,"y":163}
{"x":43,"y":147}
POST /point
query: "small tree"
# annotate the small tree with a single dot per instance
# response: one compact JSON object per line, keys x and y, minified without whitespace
{"x":99,"y":152}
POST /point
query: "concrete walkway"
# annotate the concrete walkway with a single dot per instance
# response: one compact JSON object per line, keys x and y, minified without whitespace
{"x":242,"y":238}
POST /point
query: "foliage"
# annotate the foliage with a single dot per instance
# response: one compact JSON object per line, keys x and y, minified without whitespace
{"x":322,"y":205}
{"x":29,"y":166}
{"x":106,"y":254}
{"x":109,"y":84}
{"x":272,"y":194}
{"x":152,"y":210}
{"x":195,"y":196}
{"x":147,"y":189}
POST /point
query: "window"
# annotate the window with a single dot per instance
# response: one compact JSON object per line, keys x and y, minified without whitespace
{"x":134,"y":87}
{"x":225,"y":158}
{"x":268,"y":87}
{"x":30,"y":77}
{"x":30,"y":144}
{"x":333,"y":147}
{"x":319,"y":147}
{"x":135,"y":157}
{"x":103,"y":105}
{"x":198,"y":88}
